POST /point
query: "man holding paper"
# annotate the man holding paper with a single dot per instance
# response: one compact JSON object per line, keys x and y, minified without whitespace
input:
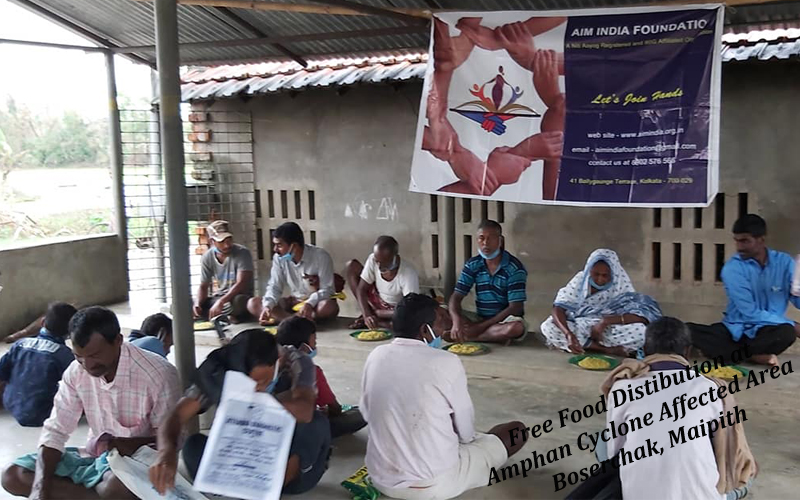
{"x":285,"y":372}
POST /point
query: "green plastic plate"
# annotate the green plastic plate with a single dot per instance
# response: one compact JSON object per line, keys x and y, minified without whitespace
{"x":613,"y":362}
{"x":483,"y":349}
{"x":387,"y":335}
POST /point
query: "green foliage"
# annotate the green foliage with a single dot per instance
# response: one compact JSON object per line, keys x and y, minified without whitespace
{"x":52,"y":141}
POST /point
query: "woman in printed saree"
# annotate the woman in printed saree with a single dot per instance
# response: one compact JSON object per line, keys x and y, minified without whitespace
{"x":599,"y":310}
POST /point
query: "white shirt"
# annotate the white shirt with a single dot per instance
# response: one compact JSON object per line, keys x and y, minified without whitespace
{"x":689,"y":470}
{"x":392,"y":292}
{"x":316,"y":262}
{"x":416,"y":402}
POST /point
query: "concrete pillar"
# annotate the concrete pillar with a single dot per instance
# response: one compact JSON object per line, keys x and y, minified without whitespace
{"x":166,"y":19}
{"x":449,"y":241}
{"x":115,"y":155}
{"x":158,"y":215}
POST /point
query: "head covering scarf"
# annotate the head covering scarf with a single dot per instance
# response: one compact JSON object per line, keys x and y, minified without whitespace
{"x":620,"y":298}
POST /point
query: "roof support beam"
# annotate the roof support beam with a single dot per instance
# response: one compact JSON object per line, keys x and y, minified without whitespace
{"x":75,"y":28}
{"x":243,"y":24}
{"x":329,"y":9}
{"x":374,"y":11}
{"x":336,"y":35}
{"x":49,"y":45}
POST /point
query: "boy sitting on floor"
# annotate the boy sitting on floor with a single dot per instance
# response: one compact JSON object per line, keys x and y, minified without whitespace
{"x":301,"y":334}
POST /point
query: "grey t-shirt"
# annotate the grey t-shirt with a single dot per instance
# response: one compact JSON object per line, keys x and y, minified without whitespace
{"x":223,"y":276}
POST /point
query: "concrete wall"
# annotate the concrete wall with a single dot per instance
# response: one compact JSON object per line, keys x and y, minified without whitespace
{"x":353,"y":150}
{"x":83,"y":271}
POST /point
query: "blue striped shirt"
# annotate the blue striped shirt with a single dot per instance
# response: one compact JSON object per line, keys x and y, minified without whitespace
{"x":493,"y":293}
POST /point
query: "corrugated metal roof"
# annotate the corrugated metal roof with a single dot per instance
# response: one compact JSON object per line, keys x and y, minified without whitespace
{"x":277,"y":76}
{"x":130,"y":23}
{"x":761,"y":45}
{"x":219,"y":82}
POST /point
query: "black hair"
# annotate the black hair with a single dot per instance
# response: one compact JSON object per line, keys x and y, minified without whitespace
{"x":750,"y":224}
{"x":387,"y":243}
{"x":290,"y":232}
{"x":260,"y":348}
{"x":91,"y":320}
{"x":413,"y":311}
{"x":56,"y":319}
{"x":295,"y":331}
{"x":667,"y":336}
{"x":491,"y":224}
{"x":153,"y":324}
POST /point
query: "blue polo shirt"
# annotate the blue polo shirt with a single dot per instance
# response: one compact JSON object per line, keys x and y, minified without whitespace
{"x":32,"y":369}
{"x":757,"y":296}
{"x":493,"y":293}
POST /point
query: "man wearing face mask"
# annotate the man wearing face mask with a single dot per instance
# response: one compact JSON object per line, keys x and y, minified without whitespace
{"x":500,"y":280}
{"x":383,"y":280}
{"x":226,"y":279}
{"x":307,"y":270}
{"x":285,"y":372}
{"x":422,"y":439}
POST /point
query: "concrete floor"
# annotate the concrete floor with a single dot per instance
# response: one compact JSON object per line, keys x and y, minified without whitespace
{"x":523,"y":382}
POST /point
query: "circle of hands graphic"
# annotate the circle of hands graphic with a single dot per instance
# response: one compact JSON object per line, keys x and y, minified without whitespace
{"x":505,"y":164}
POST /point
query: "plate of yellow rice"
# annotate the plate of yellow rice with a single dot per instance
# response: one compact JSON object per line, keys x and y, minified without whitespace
{"x":595,"y":362}
{"x":371,"y":335}
{"x":466,"y":348}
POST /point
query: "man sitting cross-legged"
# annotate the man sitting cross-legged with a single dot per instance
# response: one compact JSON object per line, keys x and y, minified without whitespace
{"x":499,"y":279}
{"x":383,"y":280}
{"x":125,"y":393}
{"x":307,"y":270}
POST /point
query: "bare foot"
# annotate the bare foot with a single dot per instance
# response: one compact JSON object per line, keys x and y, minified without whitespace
{"x":765,"y":359}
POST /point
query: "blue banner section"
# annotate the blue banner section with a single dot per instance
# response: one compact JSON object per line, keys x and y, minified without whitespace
{"x":639,"y":109}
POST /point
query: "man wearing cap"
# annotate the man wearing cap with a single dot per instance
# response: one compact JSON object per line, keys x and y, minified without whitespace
{"x":226,"y":280}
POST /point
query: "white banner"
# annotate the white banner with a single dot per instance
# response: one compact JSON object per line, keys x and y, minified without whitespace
{"x":612,"y":107}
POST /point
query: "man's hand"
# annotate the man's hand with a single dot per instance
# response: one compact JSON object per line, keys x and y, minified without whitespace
{"x":197,"y":311}
{"x":545,"y":77}
{"x":541,"y":146}
{"x":506,"y":166}
{"x":440,"y":139}
{"x":125,"y":448}
{"x":483,"y":37}
{"x":216,"y":309}
{"x":449,"y":52}
{"x":265,"y":315}
{"x":518,"y":42}
{"x":456,"y":331}
{"x":162,"y":472}
{"x":573,"y":345}
{"x":307,"y":311}
{"x":598,"y":330}
{"x":371,"y":322}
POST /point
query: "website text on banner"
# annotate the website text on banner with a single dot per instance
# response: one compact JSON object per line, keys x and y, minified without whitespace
{"x":613,"y":107}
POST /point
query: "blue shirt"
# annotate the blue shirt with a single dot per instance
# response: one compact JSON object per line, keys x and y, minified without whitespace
{"x":32,"y":369}
{"x":493,"y":293}
{"x":758,"y":296}
{"x":151,"y":344}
